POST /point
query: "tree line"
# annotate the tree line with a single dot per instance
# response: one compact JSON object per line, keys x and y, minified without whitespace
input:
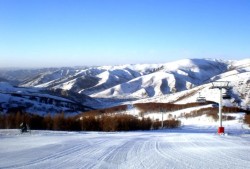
{"x":104,"y":122}
{"x":166,"y":107}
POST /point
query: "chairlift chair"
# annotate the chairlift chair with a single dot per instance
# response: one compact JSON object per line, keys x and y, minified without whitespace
{"x":226,"y":95}
{"x":201,"y":99}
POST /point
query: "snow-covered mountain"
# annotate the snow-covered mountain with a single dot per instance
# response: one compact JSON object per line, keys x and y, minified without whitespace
{"x":15,"y":76}
{"x":141,"y":81}
{"x":238,"y":94}
{"x":40,"y":101}
{"x":180,"y":81}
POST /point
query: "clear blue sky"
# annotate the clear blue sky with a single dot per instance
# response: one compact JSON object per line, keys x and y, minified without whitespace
{"x":42,"y":33}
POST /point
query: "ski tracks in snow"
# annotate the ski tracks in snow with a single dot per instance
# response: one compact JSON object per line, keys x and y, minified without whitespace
{"x":133,"y":150}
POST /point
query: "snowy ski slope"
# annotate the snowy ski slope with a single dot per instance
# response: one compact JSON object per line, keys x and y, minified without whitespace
{"x":191,"y":146}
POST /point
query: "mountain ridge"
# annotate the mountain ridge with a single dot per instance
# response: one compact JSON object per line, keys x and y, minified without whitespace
{"x":114,"y":85}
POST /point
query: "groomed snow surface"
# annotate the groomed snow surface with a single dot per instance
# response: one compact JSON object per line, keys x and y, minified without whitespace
{"x":191,"y":146}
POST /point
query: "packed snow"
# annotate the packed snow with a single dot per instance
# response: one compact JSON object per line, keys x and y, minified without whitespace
{"x":190,"y":146}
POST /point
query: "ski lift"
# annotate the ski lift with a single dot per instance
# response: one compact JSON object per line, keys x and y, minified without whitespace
{"x":226,"y":95}
{"x":201,"y":99}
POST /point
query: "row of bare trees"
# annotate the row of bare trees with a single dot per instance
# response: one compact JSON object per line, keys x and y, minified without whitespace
{"x":171,"y":123}
{"x":104,"y":122}
{"x":147,"y":108}
{"x":120,"y":122}
{"x":213,"y":112}
{"x":210,"y":111}
{"x":36,"y":122}
{"x":247,"y":119}
{"x":165,"y":107}
{"x":111,"y":110}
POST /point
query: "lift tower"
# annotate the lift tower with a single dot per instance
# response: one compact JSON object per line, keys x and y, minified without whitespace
{"x":220,"y":85}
